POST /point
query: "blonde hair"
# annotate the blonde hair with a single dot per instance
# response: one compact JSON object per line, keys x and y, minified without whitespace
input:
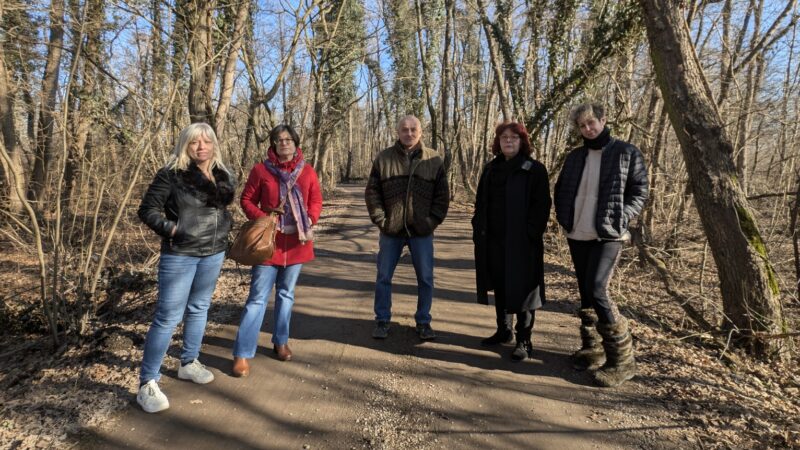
{"x":180,"y":159}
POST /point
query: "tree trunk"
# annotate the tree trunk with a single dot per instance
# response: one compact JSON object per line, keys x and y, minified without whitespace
{"x":201,"y":56}
{"x":9,"y":197}
{"x":447,"y":75}
{"x":47,"y":111}
{"x":795,"y":232}
{"x":748,"y":283}
{"x":426,"y":59}
{"x":229,"y":72}
{"x":494,"y":59}
{"x":83,"y":105}
{"x":755,"y":77}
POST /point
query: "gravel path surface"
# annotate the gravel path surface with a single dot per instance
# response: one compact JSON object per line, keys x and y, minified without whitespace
{"x":346,"y":390}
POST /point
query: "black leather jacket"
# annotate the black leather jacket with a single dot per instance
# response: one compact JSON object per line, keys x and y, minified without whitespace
{"x":196,"y":206}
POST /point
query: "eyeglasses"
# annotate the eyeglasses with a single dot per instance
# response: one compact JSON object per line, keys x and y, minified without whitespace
{"x":283,"y":141}
{"x":509,"y":138}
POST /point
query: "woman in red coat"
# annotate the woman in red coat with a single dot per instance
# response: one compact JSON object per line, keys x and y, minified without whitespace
{"x":286,"y":184}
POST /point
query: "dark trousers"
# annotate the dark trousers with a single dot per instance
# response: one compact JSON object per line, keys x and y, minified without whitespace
{"x":594,"y":265}
{"x":525,"y":318}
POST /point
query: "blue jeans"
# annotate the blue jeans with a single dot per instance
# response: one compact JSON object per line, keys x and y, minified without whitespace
{"x":262,"y":278}
{"x":185,"y":286}
{"x":388,"y":256}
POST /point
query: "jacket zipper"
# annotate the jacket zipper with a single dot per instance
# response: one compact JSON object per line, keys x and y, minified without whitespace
{"x":214,"y":239}
{"x":411,"y":168}
{"x":172,"y":236}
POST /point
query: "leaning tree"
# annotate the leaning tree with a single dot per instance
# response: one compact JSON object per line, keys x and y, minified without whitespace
{"x":748,"y":284}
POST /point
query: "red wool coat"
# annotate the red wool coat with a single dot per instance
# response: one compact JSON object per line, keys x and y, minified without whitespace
{"x":262,"y":192}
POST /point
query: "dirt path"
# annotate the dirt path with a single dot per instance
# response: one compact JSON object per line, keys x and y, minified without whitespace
{"x":346,"y":390}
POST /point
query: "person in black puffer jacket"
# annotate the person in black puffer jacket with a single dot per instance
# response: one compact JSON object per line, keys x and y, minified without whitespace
{"x":187,"y":205}
{"x":601,"y":188}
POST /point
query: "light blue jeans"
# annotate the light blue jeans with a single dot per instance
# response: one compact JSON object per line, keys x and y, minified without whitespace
{"x":185,"y":286}
{"x":388,"y":256}
{"x":262,"y":278}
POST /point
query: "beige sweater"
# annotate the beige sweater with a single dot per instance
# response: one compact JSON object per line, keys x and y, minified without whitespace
{"x":586,"y":199}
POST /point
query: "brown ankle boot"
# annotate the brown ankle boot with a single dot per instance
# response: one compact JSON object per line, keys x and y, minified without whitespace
{"x":283,"y":351}
{"x":241,"y":368}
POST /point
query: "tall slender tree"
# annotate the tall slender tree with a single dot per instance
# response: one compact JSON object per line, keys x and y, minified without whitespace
{"x":47,"y":104}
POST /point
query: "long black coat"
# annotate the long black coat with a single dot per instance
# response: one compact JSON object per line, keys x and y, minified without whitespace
{"x":527,"y":211}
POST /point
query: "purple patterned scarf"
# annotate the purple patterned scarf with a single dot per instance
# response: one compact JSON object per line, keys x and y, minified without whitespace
{"x":294,"y":199}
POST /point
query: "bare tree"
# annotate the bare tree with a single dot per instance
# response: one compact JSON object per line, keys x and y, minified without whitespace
{"x":47,"y":108}
{"x":747,"y":279}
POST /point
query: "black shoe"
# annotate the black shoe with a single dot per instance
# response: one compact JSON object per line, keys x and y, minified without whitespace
{"x":499,"y":337}
{"x":381,"y":330}
{"x":522,"y":351}
{"x":425,"y":332}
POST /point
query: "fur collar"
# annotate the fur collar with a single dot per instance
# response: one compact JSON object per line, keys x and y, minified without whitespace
{"x":217,"y":195}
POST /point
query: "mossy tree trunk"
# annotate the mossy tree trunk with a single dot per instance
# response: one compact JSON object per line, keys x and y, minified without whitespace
{"x":748,"y":283}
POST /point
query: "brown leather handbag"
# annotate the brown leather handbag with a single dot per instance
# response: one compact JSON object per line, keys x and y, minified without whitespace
{"x":255,"y":242}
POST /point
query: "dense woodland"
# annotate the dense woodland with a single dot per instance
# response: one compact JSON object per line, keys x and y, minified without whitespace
{"x":93,"y":94}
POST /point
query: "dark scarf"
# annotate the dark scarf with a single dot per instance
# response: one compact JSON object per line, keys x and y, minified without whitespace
{"x":600,"y":141}
{"x":287,"y":173}
{"x":217,"y":194}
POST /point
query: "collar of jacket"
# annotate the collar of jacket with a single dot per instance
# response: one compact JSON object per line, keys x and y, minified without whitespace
{"x":219,"y":193}
{"x":601,"y":141}
{"x":518,"y":161}
{"x":402,"y":150}
{"x":583,"y":151}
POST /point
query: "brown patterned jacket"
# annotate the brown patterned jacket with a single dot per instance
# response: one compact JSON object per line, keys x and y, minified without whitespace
{"x":407,"y":193}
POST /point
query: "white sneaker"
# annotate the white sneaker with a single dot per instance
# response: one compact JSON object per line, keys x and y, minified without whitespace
{"x":196,"y":372}
{"x":151,"y":399}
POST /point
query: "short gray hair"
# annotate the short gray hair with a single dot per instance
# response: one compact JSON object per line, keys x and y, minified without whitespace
{"x":409,"y":117}
{"x":578,"y":111}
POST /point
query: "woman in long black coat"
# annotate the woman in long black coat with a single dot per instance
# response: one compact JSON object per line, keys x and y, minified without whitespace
{"x":511,"y":212}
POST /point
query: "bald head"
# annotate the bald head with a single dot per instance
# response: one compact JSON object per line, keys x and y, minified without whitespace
{"x":409,"y":131}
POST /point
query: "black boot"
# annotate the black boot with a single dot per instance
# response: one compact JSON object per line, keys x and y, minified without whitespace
{"x":524,"y":328}
{"x":620,"y":364}
{"x":523,"y":350}
{"x":501,"y":336}
{"x":591,"y":355}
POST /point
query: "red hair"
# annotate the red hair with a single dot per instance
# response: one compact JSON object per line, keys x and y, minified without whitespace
{"x":519,"y":130}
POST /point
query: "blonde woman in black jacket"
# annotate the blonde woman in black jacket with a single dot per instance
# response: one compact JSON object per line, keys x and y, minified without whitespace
{"x":601,"y":188}
{"x":187,"y":205}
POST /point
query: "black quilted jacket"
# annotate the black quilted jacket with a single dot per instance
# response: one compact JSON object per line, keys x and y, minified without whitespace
{"x":621,"y":195}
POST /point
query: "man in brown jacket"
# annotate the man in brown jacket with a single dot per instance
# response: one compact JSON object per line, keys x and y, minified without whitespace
{"x":407,"y":197}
